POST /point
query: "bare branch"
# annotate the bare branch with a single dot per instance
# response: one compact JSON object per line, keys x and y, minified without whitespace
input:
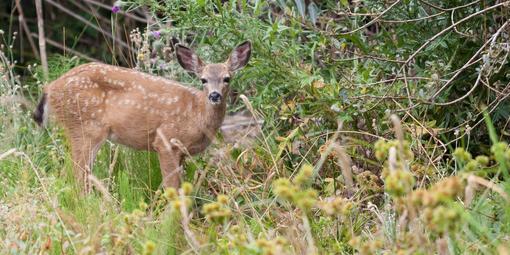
{"x":26,"y":29}
{"x":104,"y":6}
{"x":372,"y":21}
{"x":86,"y":22}
{"x":430,"y":40}
{"x":67,"y":49}
{"x":42,"y":41}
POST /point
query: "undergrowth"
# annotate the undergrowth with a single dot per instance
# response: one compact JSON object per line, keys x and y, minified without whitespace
{"x":360,"y":151}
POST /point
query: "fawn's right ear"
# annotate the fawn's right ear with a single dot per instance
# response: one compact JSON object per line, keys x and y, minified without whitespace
{"x":188,"y":59}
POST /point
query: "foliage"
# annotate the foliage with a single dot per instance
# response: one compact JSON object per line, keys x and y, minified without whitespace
{"x":334,"y":170}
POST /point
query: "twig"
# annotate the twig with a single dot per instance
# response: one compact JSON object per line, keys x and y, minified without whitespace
{"x":459,"y":71}
{"x":413,"y":20}
{"x":89,"y":8}
{"x":489,"y":184}
{"x":112,"y":166}
{"x":86,"y":22}
{"x":449,"y":9}
{"x":430,"y":40}
{"x":101,"y":188}
{"x":492,"y":107}
{"x":311,"y":249}
{"x":477,"y":82}
{"x":371,"y":57}
{"x":345,"y":165}
{"x":470,"y":61}
{"x":42,"y":41}
{"x":399,"y":132}
{"x":104,"y":6}
{"x":455,"y":27}
{"x":185,"y":223}
{"x":241,"y":124}
{"x":64,"y":48}
{"x":408,"y":91}
{"x":7,"y":153}
{"x":328,"y":150}
{"x":374,"y":20}
{"x":26,"y":29}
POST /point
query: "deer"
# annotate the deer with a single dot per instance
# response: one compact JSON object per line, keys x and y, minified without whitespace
{"x":96,"y":102}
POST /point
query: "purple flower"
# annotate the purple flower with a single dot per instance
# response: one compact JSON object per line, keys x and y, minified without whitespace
{"x":115,"y":8}
{"x":156,"y":34}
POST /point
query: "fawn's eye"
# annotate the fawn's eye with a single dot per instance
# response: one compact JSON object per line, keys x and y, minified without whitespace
{"x":204,"y":81}
{"x":226,"y":79}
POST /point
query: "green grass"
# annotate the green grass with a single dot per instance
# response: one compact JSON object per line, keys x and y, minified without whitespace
{"x":287,"y":192}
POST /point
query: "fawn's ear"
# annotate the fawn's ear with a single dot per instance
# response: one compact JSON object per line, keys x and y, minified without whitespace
{"x":239,"y":56}
{"x":188,"y":59}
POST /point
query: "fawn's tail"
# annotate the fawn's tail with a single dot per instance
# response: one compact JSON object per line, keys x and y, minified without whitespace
{"x":40,"y":114}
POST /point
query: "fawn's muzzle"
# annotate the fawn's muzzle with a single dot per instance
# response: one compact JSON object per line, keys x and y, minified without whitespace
{"x":215,"y":97}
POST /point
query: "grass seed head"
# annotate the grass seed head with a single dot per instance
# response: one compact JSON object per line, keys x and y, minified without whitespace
{"x":337,"y":206}
{"x":149,"y":248}
{"x":304,"y":176}
{"x":462,"y":155}
{"x":306,"y":199}
{"x":217,"y":212}
{"x":187,"y":188}
{"x":170,"y":194}
{"x":443,"y":219}
{"x":472,"y":165}
{"x":369,"y":183}
{"x":222,"y":199}
{"x":176,"y":204}
{"x":482,"y":160}
{"x":284,"y":188}
{"x":399,"y":182}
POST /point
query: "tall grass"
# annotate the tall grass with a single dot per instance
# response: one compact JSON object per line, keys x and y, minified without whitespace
{"x":328,"y":173}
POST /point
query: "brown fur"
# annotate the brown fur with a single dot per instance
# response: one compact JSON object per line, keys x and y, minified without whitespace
{"x":95,"y":102}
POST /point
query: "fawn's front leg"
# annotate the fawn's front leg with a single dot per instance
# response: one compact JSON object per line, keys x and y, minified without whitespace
{"x":170,"y":169}
{"x":170,"y":159}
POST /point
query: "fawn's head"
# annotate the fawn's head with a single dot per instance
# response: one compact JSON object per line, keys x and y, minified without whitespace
{"x":215,"y":77}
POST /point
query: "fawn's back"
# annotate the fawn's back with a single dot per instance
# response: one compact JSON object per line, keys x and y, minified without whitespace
{"x":131,"y":105}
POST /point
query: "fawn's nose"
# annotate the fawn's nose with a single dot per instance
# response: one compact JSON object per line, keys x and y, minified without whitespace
{"x":215,"y":97}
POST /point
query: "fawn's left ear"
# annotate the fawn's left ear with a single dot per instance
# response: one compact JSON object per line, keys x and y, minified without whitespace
{"x":239,"y":56}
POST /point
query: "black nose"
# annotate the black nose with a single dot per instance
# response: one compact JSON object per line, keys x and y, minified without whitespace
{"x":215,"y":97}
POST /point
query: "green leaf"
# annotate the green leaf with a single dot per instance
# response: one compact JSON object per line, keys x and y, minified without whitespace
{"x":345,"y":117}
{"x":201,"y":3}
{"x":300,"y":4}
{"x":492,"y":131}
{"x":257,"y":8}
{"x":356,"y":41}
{"x":313,"y":11}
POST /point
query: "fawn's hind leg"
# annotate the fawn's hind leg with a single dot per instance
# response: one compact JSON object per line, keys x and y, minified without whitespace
{"x":84,"y":146}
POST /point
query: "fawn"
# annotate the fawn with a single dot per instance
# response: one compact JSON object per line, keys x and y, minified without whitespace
{"x":95,"y":102}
